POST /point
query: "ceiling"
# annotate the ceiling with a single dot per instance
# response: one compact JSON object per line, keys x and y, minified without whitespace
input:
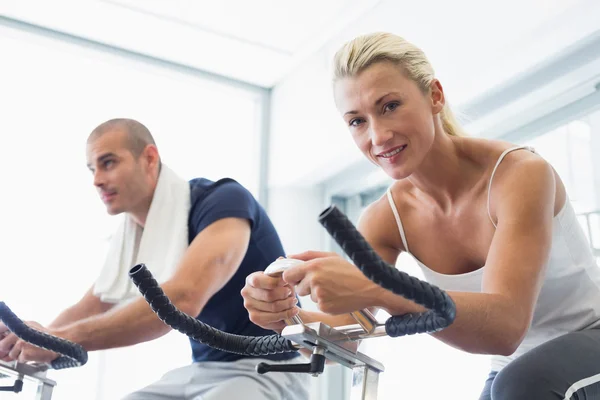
{"x":261,"y":41}
{"x":255,"y":42}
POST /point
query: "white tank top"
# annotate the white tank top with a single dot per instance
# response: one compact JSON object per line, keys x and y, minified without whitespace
{"x":569,"y":299}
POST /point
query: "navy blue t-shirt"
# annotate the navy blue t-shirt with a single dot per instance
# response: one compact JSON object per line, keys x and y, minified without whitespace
{"x":211,"y":201}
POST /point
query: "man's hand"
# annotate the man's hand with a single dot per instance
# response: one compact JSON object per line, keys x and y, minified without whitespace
{"x":269,"y":301}
{"x":7,"y":342}
{"x":12,"y":348}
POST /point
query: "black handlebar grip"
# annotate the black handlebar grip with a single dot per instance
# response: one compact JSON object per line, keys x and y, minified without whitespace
{"x":441,"y":308}
{"x":71,"y":354}
{"x":199,"y":331}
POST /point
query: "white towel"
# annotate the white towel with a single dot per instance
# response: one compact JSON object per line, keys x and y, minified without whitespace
{"x":160,"y":244}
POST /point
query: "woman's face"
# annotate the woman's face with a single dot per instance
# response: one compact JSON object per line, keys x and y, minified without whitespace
{"x":389,"y":116}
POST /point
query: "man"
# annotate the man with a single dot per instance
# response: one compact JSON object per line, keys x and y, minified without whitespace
{"x":203,"y":238}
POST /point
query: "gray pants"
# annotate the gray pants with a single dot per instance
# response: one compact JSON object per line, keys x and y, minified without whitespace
{"x":565,"y":368}
{"x":227,"y":381}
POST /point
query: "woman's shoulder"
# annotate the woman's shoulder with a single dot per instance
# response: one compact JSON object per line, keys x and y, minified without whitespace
{"x":518,"y":169}
{"x":504,"y":159}
{"x":487,"y":152}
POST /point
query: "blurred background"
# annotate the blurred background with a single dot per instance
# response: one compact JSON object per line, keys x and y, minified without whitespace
{"x":243,"y":89}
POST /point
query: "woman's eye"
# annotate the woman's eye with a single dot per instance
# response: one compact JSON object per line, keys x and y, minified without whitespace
{"x":391,"y":106}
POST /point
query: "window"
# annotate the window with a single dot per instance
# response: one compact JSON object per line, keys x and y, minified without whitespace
{"x":570,"y":149}
{"x":54,"y":228}
{"x":567,"y":148}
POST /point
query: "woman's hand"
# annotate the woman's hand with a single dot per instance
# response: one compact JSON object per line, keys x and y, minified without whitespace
{"x":269,"y":301}
{"x":336,"y":285}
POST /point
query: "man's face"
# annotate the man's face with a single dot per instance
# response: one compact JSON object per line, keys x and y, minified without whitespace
{"x":119,"y":177}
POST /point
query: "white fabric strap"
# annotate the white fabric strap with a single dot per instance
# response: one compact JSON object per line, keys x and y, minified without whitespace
{"x":580,"y":385}
{"x":397,"y":216}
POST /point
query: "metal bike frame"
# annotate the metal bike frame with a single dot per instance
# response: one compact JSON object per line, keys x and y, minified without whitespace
{"x":339,"y":345}
{"x":336,"y":344}
{"x":33,"y":373}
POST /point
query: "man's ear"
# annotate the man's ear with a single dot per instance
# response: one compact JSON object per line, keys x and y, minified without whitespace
{"x":151,"y":156}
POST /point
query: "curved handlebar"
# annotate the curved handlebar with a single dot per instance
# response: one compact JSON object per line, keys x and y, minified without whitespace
{"x":199,"y":331}
{"x":442,"y":309}
{"x":71,"y":354}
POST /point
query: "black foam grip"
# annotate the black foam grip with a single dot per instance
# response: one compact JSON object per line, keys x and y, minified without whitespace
{"x":441,"y":308}
{"x":71,"y":354}
{"x":199,"y":331}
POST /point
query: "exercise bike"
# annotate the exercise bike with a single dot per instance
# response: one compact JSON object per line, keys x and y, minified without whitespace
{"x":337,"y":344}
{"x":70,"y":355}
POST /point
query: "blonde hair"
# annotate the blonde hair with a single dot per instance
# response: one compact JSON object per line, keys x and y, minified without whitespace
{"x":360,"y":53}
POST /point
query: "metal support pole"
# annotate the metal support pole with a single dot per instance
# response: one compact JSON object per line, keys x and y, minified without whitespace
{"x":365,"y":382}
{"x":339,"y":345}
{"x":44,"y":391}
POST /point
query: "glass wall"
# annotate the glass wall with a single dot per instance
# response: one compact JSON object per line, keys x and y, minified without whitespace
{"x":54,"y":229}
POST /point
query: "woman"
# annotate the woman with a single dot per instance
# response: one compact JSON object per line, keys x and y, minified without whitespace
{"x":487,"y":221}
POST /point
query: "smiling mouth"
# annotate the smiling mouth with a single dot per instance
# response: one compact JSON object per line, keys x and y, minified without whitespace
{"x":392,"y":153}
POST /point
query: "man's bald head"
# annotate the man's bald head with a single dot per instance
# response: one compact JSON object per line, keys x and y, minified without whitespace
{"x":137,"y":135}
{"x":124,"y":161}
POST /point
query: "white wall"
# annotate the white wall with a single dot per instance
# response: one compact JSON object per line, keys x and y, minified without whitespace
{"x":294,"y":212}
{"x":307,"y":135}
